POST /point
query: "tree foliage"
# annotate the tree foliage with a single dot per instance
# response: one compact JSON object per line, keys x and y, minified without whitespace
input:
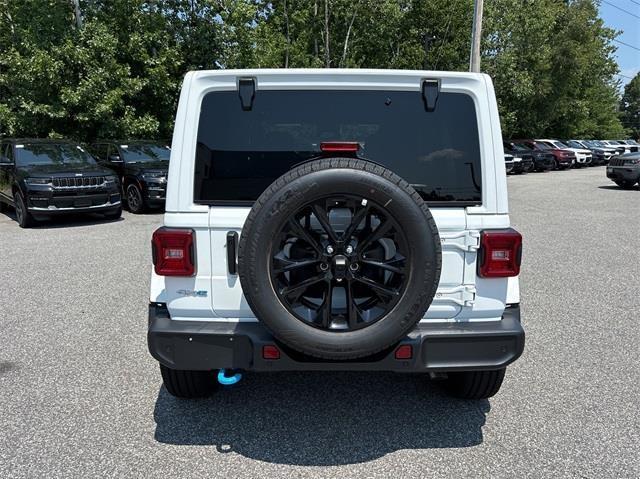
{"x":630,"y":106}
{"x":118,"y":74}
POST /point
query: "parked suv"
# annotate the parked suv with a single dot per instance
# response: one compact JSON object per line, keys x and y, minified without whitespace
{"x":632,"y":144}
{"x":142,"y":169}
{"x":562,"y":158}
{"x":542,"y":161}
{"x":619,"y":147}
{"x":43,"y":178}
{"x":624,"y":170}
{"x":601,"y":154}
{"x":583,"y":156}
{"x":336,"y":220}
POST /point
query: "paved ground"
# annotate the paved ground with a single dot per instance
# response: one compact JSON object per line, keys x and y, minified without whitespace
{"x":80,"y":396}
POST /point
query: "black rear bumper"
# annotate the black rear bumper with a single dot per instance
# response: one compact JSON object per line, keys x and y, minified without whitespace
{"x":442,"y":347}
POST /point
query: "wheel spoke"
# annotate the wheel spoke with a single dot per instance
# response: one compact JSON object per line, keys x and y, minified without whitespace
{"x":352,"y":308}
{"x":303,"y":234}
{"x":287,"y":264}
{"x":321,"y":215}
{"x":388,"y":265}
{"x":375,"y":235}
{"x":327,"y":306}
{"x":296,"y":290}
{"x":378,"y":288}
{"x":356,"y":219}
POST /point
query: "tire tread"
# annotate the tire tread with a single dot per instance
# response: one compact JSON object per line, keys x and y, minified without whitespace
{"x":475,"y":384}
{"x":188,"y":384}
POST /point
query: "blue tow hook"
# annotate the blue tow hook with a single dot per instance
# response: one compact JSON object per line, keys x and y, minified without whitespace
{"x":228,"y":380}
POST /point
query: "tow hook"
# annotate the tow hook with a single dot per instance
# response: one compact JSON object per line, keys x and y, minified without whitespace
{"x":229,"y":377}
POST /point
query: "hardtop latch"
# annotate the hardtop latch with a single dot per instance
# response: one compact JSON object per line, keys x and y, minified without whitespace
{"x":247,"y":92}
{"x":430,"y":92}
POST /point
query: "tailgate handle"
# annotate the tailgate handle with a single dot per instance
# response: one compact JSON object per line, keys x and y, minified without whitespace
{"x":232,"y":247}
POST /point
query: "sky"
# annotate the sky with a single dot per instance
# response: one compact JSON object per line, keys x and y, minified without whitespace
{"x":628,"y":58}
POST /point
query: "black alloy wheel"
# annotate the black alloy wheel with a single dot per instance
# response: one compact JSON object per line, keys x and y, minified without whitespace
{"x":339,"y":263}
{"x":135,"y":202}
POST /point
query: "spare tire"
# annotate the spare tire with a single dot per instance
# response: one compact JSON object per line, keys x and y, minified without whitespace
{"x":339,"y":258}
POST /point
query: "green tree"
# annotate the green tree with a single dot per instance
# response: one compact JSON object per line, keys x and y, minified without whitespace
{"x":630,"y":107}
{"x":553,"y":68}
{"x":117,"y":72}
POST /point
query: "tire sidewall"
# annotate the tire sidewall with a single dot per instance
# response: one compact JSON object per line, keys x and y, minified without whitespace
{"x":421,"y":283}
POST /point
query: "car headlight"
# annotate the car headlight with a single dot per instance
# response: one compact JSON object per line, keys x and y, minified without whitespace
{"x":38,"y":181}
{"x":110,"y":179}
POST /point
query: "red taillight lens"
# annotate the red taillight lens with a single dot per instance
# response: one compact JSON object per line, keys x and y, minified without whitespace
{"x":404,"y":352}
{"x":173,"y":252}
{"x":500,"y":253}
{"x":339,"y":146}
{"x":269,"y":351}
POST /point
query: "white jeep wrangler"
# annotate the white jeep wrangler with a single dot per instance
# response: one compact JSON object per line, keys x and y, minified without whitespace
{"x":336,"y":220}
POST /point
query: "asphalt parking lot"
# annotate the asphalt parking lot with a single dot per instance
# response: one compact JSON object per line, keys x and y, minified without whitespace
{"x":80,"y":396}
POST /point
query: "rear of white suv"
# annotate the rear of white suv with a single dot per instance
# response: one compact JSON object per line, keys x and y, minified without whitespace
{"x":336,"y":220}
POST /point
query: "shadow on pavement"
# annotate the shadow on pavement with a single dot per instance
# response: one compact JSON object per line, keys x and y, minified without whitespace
{"x":322,"y":419}
{"x":616,"y":187}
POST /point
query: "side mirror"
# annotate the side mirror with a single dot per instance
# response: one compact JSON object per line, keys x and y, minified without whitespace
{"x":115,"y":159}
{"x":5,"y":161}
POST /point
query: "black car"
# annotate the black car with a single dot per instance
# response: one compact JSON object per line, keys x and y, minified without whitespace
{"x":43,"y":178}
{"x":142,"y":168}
{"x":540,"y":160}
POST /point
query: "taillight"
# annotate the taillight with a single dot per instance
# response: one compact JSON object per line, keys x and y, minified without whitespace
{"x":270,"y":351}
{"x":500,"y":253}
{"x":404,"y":351}
{"x":173,"y":252}
{"x":339,"y":146}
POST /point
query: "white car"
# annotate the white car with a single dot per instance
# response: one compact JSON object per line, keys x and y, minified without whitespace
{"x":633,"y":145}
{"x":622,"y":148}
{"x":583,"y":155}
{"x":600,"y":153}
{"x":336,"y":220}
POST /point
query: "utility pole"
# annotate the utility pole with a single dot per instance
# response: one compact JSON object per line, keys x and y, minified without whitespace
{"x":476,"y":35}
{"x":428,"y":40}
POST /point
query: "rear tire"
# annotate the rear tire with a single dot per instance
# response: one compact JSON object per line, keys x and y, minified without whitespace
{"x":23,"y":217}
{"x":474,"y":384}
{"x":113,"y":215}
{"x":627,"y":185}
{"x":188,"y":384}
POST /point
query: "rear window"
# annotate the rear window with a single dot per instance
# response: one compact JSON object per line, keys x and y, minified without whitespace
{"x":239,"y":153}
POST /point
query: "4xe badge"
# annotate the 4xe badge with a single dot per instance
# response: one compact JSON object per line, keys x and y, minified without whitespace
{"x":195,"y":294}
